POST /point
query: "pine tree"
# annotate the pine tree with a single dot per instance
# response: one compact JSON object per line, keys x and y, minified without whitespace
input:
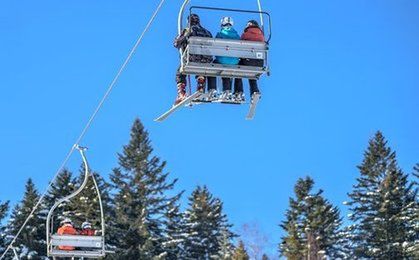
{"x":62,"y":186}
{"x":380,"y":203}
{"x":175,"y":236}
{"x":240,"y":253}
{"x":227,"y":249}
{"x":312,"y":225}
{"x":31,"y":242}
{"x":141,"y":201}
{"x":206,"y":225}
{"x":293,"y":244}
{"x":4,"y":208}
{"x":412,"y":217}
{"x":86,"y":204}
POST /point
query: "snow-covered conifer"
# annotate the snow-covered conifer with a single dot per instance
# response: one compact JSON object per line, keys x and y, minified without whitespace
{"x":207,"y":226}
{"x":4,"y":208}
{"x":312,"y":225}
{"x":31,"y":242}
{"x":141,"y":200}
{"x":380,"y":203}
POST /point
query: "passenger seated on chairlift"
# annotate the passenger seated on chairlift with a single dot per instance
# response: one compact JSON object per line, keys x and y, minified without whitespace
{"x":86,"y":229}
{"x":181,"y":41}
{"x":67,"y":228}
{"x":252,"y":32}
{"x":227,"y":32}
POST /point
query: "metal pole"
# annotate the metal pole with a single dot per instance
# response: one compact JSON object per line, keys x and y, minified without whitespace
{"x":102,"y":215}
{"x":180,"y":27}
{"x":260,"y":14}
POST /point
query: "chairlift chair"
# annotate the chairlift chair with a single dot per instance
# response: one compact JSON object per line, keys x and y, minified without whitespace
{"x":224,"y":47}
{"x":221,"y":47}
{"x":85,"y":246}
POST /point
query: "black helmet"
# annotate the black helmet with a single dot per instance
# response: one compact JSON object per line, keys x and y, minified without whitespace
{"x":252,"y":23}
{"x":193,"y":19}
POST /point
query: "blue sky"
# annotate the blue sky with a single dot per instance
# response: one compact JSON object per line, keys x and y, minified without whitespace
{"x":340,"y":71}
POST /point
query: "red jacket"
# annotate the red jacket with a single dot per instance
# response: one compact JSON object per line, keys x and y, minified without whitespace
{"x":87,"y":232}
{"x":253,"y":33}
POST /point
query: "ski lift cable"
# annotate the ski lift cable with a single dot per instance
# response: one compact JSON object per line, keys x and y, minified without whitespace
{"x":88,"y":124}
{"x":260,"y":14}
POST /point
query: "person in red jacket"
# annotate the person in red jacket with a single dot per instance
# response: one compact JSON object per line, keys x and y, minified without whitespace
{"x":66,"y":229}
{"x":87,"y":230}
{"x":252,"y":32}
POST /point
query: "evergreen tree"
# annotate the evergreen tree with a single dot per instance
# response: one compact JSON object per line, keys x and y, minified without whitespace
{"x":380,"y":203}
{"x":312,"y":225}
{"x":206,"y":226}
{"x":240,"y":253}
{"x":412,"y":217}
{"x":63,"y":185}
{"x":86,"y":206}
{"x":227,"y":249}
{"x":140,"y":201}
{"x":4,"y":208}
{"x":175,"y":236}
{"x":31,"y":242}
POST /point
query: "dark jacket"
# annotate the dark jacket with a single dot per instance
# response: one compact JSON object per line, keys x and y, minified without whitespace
{"x":182,"y":40}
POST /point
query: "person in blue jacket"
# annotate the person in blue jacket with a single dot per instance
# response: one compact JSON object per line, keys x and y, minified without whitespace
{"x":227,"y":32}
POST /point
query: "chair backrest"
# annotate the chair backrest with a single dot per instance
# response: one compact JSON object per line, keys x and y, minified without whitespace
{"x":77,"y":241}
{"x":227,"y":47}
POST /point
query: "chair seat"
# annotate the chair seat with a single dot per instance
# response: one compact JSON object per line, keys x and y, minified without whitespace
{"x":77,"y":241}
{"x":77,"y":253}
{"x":221,"y":70}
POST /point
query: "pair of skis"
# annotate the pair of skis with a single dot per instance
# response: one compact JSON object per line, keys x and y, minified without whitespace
{"x":195,"y":97}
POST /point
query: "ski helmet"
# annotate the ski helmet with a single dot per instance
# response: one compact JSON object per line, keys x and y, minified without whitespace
{"x":67,"y":221}
{"x":227,"y":21}
{"x":252,"y":23}
{"x":86,"y":225}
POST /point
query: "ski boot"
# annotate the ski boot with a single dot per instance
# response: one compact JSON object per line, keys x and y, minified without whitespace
{"x":212,"y":95}
{"x":181,"y":93}
{"x":239,"y":97}
{"x":226,"y":96}
{"x":201,"y":84}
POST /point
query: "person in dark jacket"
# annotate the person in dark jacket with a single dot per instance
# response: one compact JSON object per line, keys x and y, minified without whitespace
{"x":252,"y":32}
{"x":227,"y":32}
{"x":181,"y":41}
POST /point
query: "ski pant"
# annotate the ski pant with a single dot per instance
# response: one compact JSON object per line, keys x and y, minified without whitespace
{"x":238,"y":83}
{"x":227,"y":82}
{"x":212,"y":81}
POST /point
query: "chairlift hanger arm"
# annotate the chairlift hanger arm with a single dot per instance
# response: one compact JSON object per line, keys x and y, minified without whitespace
{"x":98,"y":241}
{"x":72,"y":195}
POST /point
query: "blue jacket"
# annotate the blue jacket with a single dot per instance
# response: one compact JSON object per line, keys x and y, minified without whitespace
{"x":227,"y":33}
